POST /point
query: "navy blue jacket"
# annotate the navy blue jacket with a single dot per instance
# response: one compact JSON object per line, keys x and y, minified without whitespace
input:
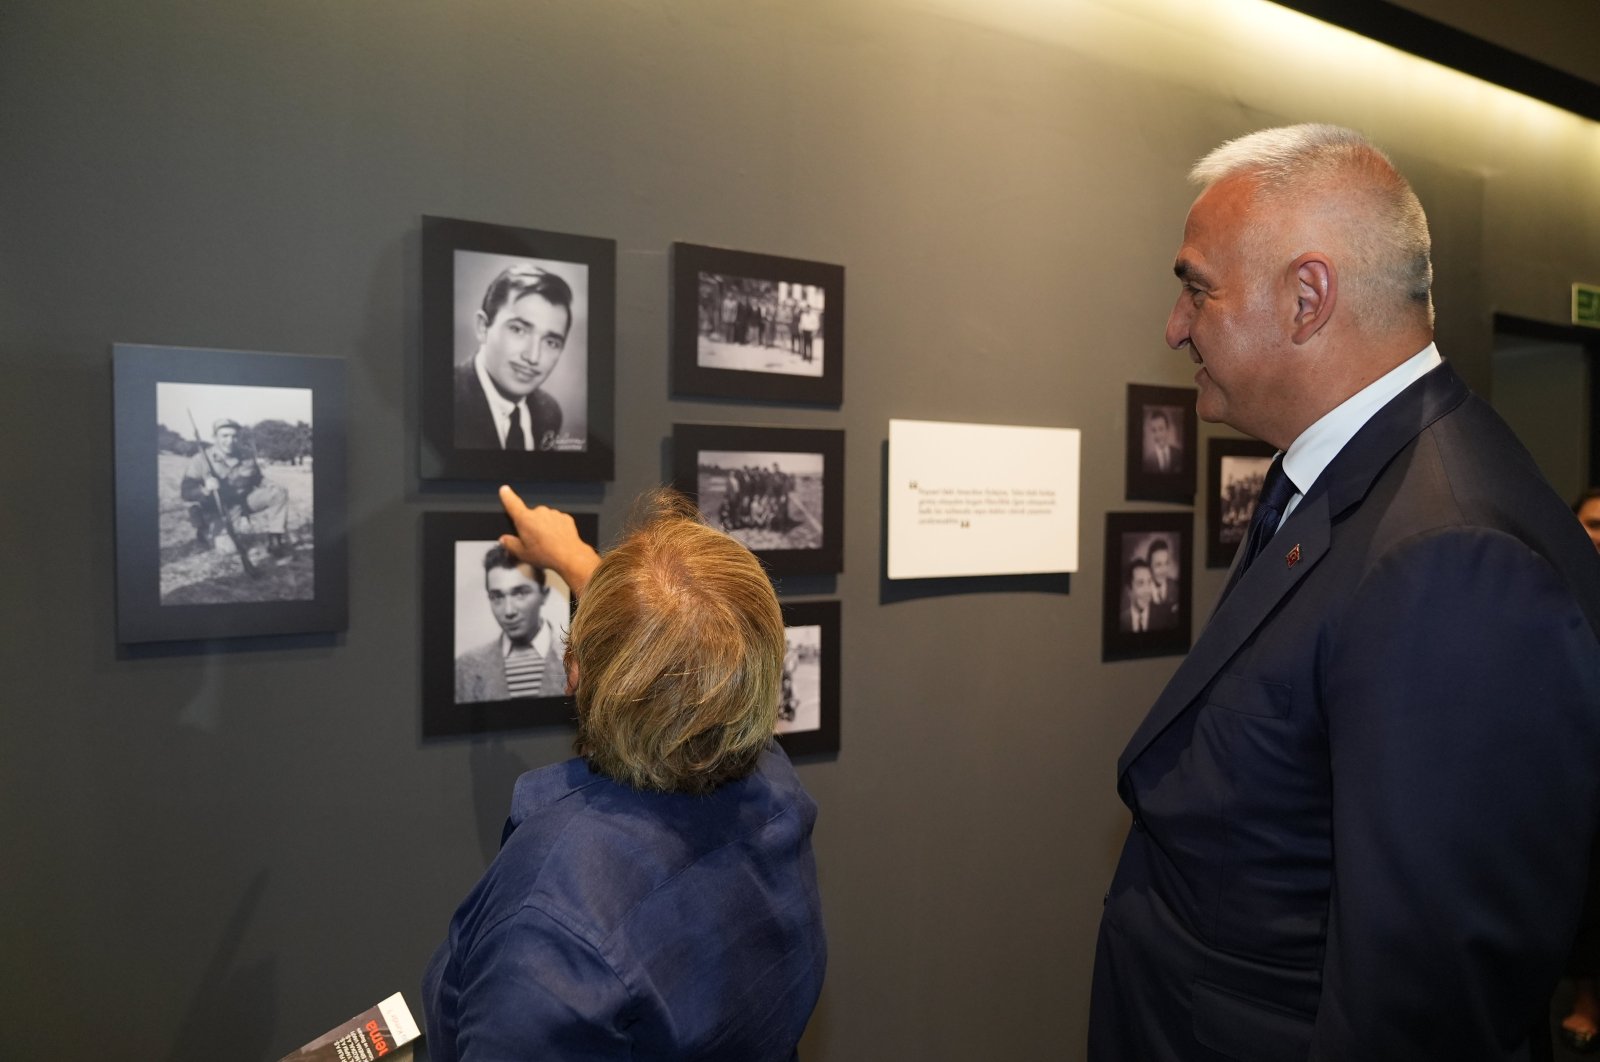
{"x":1364,"y":804}
{"x":619,"y":924}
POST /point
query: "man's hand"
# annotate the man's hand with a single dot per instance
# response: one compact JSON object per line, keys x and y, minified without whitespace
{"x":548,"y":538}
{"x":212,"y":485}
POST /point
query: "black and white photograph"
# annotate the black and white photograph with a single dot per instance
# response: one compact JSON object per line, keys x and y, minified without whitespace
{"x":808,"y":707}
{"x":519,"y":333}
{"x":765,"y":500}
{"x":1162,"y":433}
{"x":780,"y":491}
{"x":751,"y":325}
{"x":494,"y":629}
{"x":237,"y":511}
{"x":1147,"y":587}
{"x":756,"y":326}
{"x":230,"y":493}
{"x":1237,"y":468}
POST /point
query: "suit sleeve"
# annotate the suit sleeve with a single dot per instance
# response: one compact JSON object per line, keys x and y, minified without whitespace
{"x":1461,"y":698}
{"x":531,"y":989}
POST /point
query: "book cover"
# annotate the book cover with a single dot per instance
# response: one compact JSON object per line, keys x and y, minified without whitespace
{"x":375,"y":1033}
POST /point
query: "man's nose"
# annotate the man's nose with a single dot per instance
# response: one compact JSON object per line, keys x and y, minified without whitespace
{"x":1178,"y":324}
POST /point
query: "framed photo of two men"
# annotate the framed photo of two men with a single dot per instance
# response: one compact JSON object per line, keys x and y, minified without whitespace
{"x":230,"y":493}
{"x":518,"y":353}
{"x":756,"y":326}
{"x":1148,"y":585}
{"x":1161,"y":444}
{"x":494,"y":630}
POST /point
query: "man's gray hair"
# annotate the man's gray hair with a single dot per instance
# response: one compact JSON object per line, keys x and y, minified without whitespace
{"x":1302,"y":167}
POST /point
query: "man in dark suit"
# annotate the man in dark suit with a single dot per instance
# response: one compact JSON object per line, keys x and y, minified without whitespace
{"x":1164,"y":591}
{"x":1162,"y":454}
{"x":1135,"y":618}
{"x":522,"y":329}
{"x":1363,"y":806}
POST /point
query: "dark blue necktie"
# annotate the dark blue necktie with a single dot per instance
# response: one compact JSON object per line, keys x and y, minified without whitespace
{"x":1276,"y":491}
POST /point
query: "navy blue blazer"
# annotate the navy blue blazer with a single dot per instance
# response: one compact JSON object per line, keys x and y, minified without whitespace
{"x":1364,"y":804}
{"x":619,"y":924}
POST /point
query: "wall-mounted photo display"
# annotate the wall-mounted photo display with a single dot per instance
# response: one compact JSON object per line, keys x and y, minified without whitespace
{"x":756,"y":326}
{"x":518,"y":353}
{"x":493,"y":629}
{"x":1161,"y":444}
{"x":1147,"y":585}
{"x":808,"y":710}
{"x":780,"y":491}
{"x":1235,"y":468}
{"x":230,"y":493}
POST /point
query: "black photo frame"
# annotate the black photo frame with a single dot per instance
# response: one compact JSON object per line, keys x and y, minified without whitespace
{"x":461,"y":437}
{"x":453,"y":626}
{"x":763,"y":351}
{"x":1235,"y":470}
{"x":1133,"y":541}
{"x":1151,"y":411}
{"x":808,"y":710}
{"x":727,"y":470}
{"x":265,"y":554}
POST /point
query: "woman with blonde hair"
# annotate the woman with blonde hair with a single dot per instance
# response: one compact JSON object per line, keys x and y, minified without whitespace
{"x":655,"y":897}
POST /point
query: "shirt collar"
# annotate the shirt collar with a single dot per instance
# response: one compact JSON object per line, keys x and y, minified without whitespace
{"x":497,"y":402}
{"x":540,"y":643}
{"x":1319,"y":444}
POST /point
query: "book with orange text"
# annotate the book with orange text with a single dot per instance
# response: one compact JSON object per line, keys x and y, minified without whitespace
{"x":373,"y":1034}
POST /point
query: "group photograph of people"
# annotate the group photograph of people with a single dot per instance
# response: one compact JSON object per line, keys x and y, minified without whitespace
{"x":764,"y":500}
{"x":761,"y":325}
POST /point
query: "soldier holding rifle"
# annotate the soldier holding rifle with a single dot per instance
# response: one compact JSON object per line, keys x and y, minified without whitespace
{"x":222,"y":484}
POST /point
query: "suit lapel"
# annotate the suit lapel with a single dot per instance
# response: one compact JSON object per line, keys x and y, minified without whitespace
{"x":1309,"y":529}
{"x":1260,"y":588}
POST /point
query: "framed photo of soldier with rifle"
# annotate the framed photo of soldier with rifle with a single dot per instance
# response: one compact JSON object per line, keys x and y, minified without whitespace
{"x":230,"y":494}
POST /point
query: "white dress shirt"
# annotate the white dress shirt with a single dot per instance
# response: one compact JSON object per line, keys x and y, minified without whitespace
{"x":1319,"y":444}
{"x":500,"y":408}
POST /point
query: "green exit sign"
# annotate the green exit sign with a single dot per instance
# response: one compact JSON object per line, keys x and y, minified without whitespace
{"x":1586,"y":305}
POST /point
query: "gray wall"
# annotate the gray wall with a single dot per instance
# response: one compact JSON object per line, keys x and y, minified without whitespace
{"x":1542,"y":390}
{"x":223,"y":854}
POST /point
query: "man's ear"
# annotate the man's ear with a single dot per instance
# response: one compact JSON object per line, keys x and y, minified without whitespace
{"x":480,"y":325}
{"x":1316,"y":284}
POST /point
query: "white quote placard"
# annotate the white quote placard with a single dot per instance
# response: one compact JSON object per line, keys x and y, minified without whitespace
{"x":981,"y":499}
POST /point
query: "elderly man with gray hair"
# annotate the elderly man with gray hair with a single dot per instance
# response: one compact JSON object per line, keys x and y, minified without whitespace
{"x":1363,"y":806}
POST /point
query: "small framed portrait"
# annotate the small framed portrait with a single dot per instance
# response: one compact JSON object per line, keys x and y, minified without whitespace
{"x":518,"y":353}
{"x":780,"y":491}
{"x":1236,"y":469}
{"x":808,"y":709}
{"x":230,"y":493}
{"x":494,"y":630}
{"x":756,"y":326}
{"x":1161,"y":444}
{"x":1147,"y":585}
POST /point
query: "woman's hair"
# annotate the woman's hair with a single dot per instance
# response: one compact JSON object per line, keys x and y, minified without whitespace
{"x":678,"y":643}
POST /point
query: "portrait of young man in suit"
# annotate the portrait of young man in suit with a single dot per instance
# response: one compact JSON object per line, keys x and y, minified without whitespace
{"x":1363,"y":807}
{"x":521,"y":330}
{"x":1163,"y":443}
{"x":1135,"y":618}
{"x":1164,"y":586}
